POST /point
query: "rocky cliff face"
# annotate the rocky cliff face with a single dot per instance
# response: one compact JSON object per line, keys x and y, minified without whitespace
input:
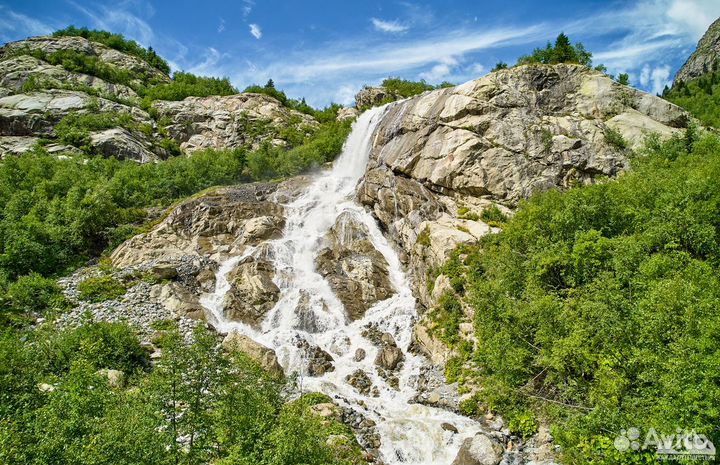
{"x":36,"y":95}
{"x":442,"y":158}
{"x":706,"y":56}
{"x":243,"y":120}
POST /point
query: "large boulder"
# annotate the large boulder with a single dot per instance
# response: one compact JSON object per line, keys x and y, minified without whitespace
{"x":705,"y":58}
{"x":371,"y":96}
{"x":233,"y":121}
{"x":264,"y":356}
{"x":356,"y":271}
{"x":252,"y":291}
{"x":480,"y":449}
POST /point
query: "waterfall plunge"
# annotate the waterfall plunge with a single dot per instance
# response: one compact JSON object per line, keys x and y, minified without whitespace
{"x":409,"y":433}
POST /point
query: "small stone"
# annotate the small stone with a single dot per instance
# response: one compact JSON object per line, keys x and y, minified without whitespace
{"x":359,"y":355}
{"x":45,"y":388}
{"x":449,"y":427}
{"x":434,"y":397}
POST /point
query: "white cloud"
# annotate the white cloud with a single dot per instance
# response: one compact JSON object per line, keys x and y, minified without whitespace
{"x":693,"y":16}
{"x":645,"y":76}
{"x":256,"y":31}
{"x":209,"y":65}
{"x":436,"y":73}
{"x":660,"y":78}
{"x":221,"y":26}
{"x":393,"y":27}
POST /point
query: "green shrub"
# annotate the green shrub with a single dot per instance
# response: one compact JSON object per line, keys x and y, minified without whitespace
{"x":34,"y":293}
{"x":100,"y":288}
{"x":615,"y":139}
{"x":102,"y":345}
{"x":700,"y":97}
{"x":187,"y":85}
{"x":423,"y":238}
{"x":493,"y":216}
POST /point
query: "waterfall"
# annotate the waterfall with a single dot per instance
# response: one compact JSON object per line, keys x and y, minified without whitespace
{"x":409,"y":433}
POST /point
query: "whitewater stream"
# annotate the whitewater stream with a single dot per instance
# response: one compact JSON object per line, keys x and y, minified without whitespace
{"x":410,"y":433}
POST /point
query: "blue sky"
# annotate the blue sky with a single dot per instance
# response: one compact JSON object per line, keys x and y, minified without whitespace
{"x":326,"y":50}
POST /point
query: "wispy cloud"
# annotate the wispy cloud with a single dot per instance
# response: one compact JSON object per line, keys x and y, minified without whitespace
{"x":221,"y":26}
{"x":393,"y":27}
{"x":17,"y":25}
{"x":247,"y":7}
{"x":255,"y":31}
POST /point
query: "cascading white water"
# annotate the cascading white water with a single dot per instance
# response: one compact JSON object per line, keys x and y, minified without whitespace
{"x":410,"y":433}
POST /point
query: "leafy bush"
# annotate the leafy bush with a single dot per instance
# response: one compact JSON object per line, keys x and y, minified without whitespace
{"x":74,"y":129}
{"x":101,"y":345}
{"x":493,"y":216}
{"x":598,"y":308}
{"x":615,"y":139}
{"x":34,"y":293}
{"x":117,"y":42}
{"x":100,"y":288}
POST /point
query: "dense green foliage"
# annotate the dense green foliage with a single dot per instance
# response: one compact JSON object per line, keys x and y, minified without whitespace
{"x":325,"y":115}
{"x":271,"y":161}
{"x":57,"y":213}
{"x":700,"y":97}
{"x":598,"y":309}
{"x":560,"y":52}
{"x":117,"y":42}
{"x":186,"y":85}
{"x":196,"y":406}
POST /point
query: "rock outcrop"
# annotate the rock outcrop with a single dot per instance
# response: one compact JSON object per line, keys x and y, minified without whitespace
{"x":355,"y":270}
{"x":705,"y":58}
{"x":35,"y":95}
{"x":233,"y":121}
{"x":371,"y":96}
{"x":495,"y":141}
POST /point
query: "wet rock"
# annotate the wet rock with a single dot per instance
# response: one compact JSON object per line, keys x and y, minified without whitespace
{"x":449,"y":427}
{"x":355,"y":270}
{"x":479,"y":450}
{"x":359,"y":355}
{"x":264,"y":356}
{"x":389,"y":357}
{"x":252,"y":292}
{"x":319,"y":362}
{"x":360,"y":381}
{"x":307,"y":319}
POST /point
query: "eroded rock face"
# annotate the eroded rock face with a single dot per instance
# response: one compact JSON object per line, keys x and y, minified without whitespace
{"x":221,"y":222}
{"x":103,"y":53}
{"x":222,"y":122}
{"x":705,"y":57}
{"x":252,"y":293}
{"x":356,"y":271}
